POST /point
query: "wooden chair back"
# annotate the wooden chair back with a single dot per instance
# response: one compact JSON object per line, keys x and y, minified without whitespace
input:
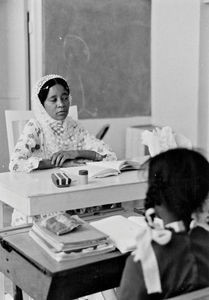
{"x":16,"y":120}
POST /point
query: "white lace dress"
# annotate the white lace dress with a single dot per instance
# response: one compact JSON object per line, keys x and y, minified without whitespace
{"x":43,"y":136}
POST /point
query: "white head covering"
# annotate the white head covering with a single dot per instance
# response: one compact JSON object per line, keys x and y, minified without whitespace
{"x":56,"y":132}
{"x":39,"y":111}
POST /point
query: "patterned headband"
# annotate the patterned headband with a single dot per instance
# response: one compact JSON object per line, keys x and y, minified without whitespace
{"x":43,"y":80}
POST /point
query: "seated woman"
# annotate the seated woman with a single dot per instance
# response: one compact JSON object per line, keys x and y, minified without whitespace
{"x":174,"y":259}
{"x":52,"y":138}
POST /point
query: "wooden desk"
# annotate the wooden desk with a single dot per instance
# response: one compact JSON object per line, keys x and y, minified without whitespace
{"x":35,"y":193}
{"x":31,"y":269}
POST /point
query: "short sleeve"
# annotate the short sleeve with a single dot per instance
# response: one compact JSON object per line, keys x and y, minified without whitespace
{"x":24,"y":158}
{"x":132,"y":284}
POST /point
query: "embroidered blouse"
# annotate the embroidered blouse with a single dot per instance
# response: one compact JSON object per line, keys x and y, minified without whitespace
{"x":33,"y":146}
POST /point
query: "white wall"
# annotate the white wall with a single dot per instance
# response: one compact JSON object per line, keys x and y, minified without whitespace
{"x":203,"y":111}
{"x":117,"y":132}
{"x":175,"y":65}
{"x":13,"y":66}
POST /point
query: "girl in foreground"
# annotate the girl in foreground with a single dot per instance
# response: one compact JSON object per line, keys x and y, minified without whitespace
{"x":174,"y":259}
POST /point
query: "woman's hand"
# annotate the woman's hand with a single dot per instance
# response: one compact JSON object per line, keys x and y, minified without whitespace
{"x":58,"y":158}
{"x":45,"y":164}
{"x":99,"y":157}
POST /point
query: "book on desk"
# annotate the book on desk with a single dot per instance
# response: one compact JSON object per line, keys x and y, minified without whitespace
{"x":123,"y":230}
{"x":96,"y":237}
{"x":85,"y":240}
{"x":108,"y":168}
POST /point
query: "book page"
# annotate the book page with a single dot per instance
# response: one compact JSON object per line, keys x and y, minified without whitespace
{"x":121,"y":230}
{"x":140,"y":220}
{"x":106,"y":168}
{"x":134,"y":163}
{"x":95,"y":169}
{"x":121,"y":165}
{"x":116,"y":166}
{"x":109,"y":164}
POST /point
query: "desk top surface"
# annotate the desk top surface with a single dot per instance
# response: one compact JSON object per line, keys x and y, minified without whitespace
{"x":35,"y":193}
{"x":39,"y":183}
{"x":21,"y":242}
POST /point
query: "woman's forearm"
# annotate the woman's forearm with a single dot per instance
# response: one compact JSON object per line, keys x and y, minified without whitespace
{"x":90,"y":154}
{"x":45,"y":164}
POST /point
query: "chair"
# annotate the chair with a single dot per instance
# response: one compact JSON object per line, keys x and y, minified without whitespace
{"x":202,"y":294}
{"x":16,"y":120}
{"x":102,"y":132}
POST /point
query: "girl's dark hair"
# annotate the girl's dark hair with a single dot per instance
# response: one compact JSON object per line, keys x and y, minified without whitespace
{"x":43,"y":93}
{"x":178,"y":179}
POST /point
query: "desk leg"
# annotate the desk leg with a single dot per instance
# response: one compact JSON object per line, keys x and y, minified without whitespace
{"x":1,"y":275}
{"x":1,"y":214}
{"x":18,"y":293}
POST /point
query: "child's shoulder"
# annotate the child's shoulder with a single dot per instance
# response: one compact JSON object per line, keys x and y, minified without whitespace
{"x":200,"y":232}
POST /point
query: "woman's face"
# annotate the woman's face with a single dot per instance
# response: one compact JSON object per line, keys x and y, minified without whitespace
{"x":57,"y":102}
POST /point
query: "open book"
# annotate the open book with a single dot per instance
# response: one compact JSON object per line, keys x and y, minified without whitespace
{"x":121,"y":230}
{"x":124,"y":230}
{"x":107,"y":168}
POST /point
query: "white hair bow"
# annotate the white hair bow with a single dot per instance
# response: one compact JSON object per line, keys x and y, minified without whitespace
{"x":159,"y":140}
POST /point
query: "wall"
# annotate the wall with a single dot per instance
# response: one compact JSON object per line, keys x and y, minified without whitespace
{"x":13,"y":70}
{"x":180,"y":68}
{"x":103,"y":49}
{"x":203,"y":111}
{"x":117,"y":132}
{"x":116,"y":135}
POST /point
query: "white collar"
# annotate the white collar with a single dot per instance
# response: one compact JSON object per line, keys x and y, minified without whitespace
{"x":177,"y":226}
{"x":195,"y":223}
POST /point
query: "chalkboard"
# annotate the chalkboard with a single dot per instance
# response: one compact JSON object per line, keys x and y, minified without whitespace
{"x":102,"y":47}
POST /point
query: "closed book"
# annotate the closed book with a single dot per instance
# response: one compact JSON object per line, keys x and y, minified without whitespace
{"x":82,"y":236}
{"x":60,"y":256}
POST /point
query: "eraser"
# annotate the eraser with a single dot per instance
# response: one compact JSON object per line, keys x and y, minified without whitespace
{"x":61,"y":179}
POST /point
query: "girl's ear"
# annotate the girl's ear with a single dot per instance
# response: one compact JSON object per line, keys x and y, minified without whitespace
{"x":149,"y":216}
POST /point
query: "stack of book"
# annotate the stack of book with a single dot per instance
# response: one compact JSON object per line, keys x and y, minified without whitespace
{"x":66,"y":237}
